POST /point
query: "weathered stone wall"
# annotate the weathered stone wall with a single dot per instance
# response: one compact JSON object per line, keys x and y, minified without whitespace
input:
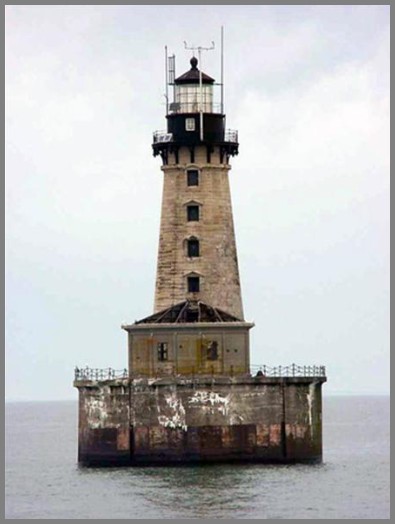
{"x":185,"y":420}
{"x":303,"y":419}
{"x":217,"y":265}
{"x":104,"y":422}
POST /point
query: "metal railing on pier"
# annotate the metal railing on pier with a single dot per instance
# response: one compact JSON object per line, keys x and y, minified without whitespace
{"x":99,"y":373}
{"x":293,"y":370}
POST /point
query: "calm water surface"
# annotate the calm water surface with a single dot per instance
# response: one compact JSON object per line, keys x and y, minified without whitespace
{"x":43,"y":480}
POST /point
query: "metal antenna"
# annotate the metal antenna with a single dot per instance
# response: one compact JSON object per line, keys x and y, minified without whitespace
{"x":222,"y":69}
{"x":199,"y":49}
{"x":166,"y":82}
{"x":170,"y":66}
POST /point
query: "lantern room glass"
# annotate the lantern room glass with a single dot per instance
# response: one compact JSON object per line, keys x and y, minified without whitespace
{"x":187,"y":97}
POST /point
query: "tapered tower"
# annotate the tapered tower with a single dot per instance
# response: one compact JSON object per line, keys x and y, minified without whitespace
{"x":197,"y":258}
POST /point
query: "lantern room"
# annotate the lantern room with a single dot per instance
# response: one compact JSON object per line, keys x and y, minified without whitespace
{"x":193,"y":91}
{"x":195,"y":116}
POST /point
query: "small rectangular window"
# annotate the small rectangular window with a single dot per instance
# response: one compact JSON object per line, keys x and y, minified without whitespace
{"x":193,"y":213}
{"x":189,"y":124}
{"x":193,"y":284}
{"x":162,"y":351}
{"x":212,"y":350}
{"x":193,"y":177}
{"x":193,"y":248}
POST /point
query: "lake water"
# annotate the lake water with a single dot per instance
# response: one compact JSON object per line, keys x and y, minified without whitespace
{"x":43,"y":480}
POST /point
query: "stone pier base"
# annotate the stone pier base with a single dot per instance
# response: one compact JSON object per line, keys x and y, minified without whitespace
{"x":198,"y":420}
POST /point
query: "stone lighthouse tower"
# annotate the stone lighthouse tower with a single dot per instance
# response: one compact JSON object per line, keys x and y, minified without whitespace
{"x":188,"y":395}
{"x":197,"y":258}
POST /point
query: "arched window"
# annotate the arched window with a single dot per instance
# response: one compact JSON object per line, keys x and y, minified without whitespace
{"x":193,"y":210}
{"x":193,"y":247}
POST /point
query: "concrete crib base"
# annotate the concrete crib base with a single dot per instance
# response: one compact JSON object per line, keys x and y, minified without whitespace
{"x":178,"y":421}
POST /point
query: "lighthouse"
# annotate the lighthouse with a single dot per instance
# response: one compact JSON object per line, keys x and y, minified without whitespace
{"x":190,"y":394}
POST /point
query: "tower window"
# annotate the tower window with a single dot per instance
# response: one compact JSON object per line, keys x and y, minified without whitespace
{"x":193,"y":177}
{"x":193,"y":248}
{"x":162,"y":351}
{"x":193,"y":284}
{"x":189,"y":124}
{"x":193,"y":213}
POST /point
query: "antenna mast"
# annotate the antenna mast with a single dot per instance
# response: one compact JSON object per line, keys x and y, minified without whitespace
{"x":222,"y":69}
{"x":167,"y":82}
{"x":199,"y":50}
{"x":170,"y":67}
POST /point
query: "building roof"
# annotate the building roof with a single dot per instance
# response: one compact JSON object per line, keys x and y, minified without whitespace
{"x":187,"y":312}
{"x":192,"y":76}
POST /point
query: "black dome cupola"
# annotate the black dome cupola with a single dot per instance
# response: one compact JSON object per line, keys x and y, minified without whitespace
{"x":193,"y":75}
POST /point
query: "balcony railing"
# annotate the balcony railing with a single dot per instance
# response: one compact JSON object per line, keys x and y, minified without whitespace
{"x":231,"y":136}
{"x":162,"y":137}
{"x":293,"y":370}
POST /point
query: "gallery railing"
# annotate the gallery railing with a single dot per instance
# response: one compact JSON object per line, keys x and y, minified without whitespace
{"x":292,"y":370}
{"x":162,"y":137}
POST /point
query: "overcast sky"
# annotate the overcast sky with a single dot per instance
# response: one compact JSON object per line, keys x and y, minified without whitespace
{"x":307,"y":87}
